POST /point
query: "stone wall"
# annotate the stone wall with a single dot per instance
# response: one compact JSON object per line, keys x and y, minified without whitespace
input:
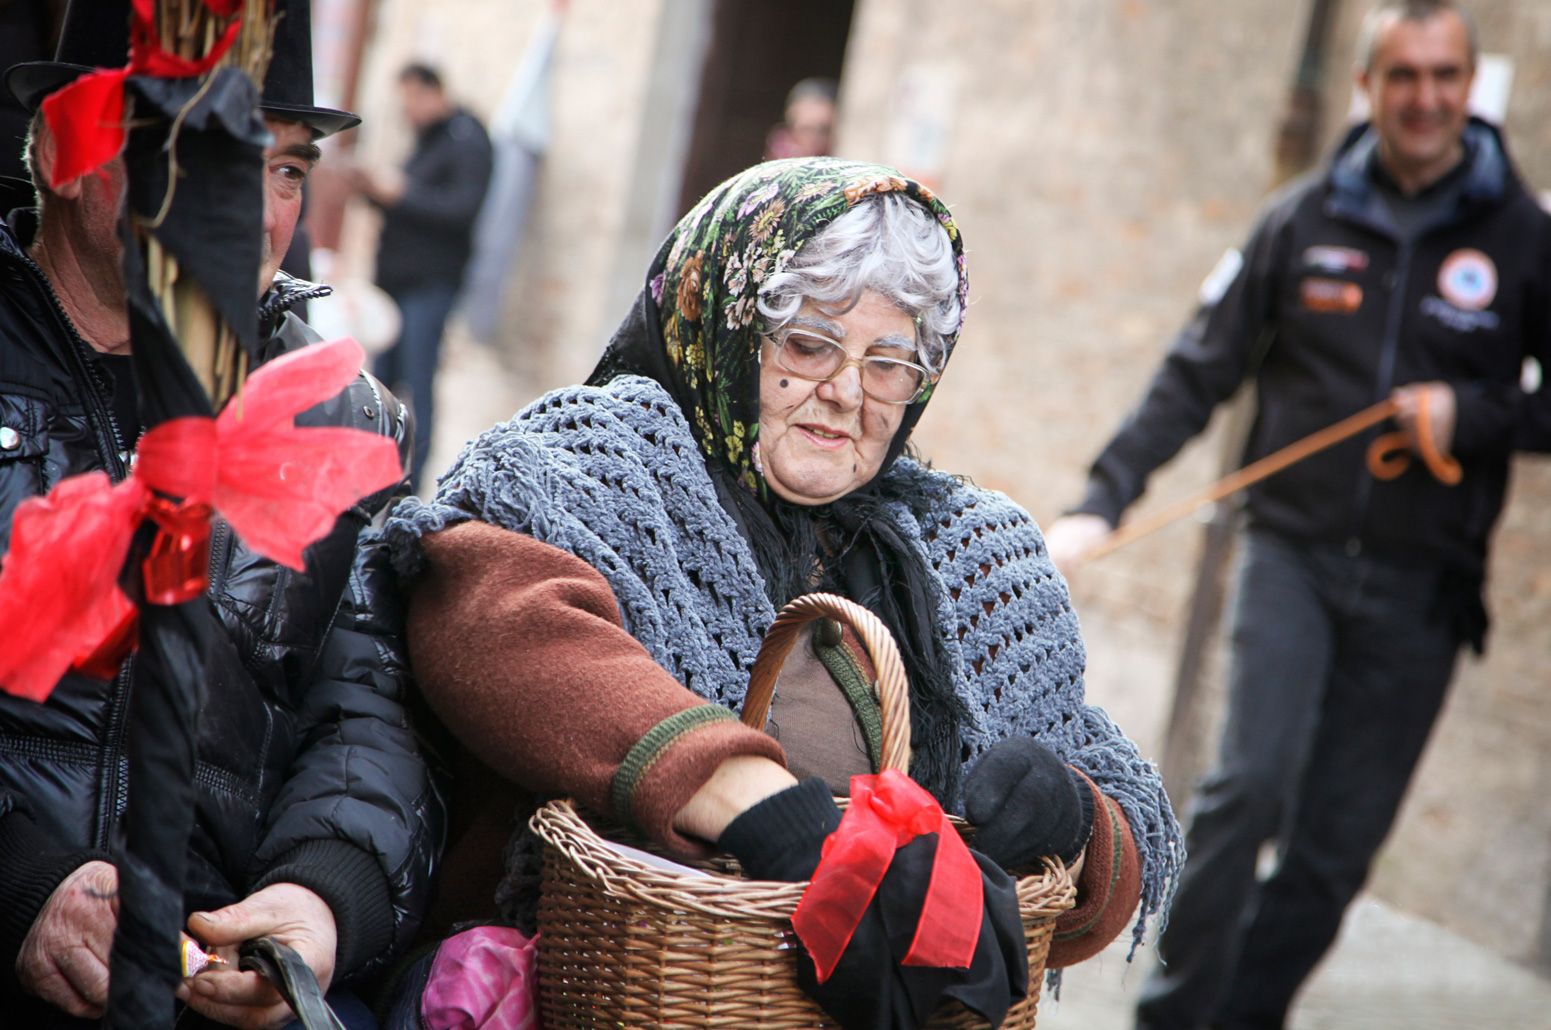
{"x":561,"y":304}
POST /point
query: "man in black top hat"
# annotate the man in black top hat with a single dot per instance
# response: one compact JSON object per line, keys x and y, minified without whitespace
{"x":316,"y":822}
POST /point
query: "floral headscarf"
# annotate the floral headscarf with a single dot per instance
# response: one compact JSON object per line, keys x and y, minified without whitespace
{"x":704,"y":286}
{"x":695,"y":330}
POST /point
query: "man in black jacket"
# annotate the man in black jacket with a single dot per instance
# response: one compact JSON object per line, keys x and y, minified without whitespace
{"x":1414,"y":267}
{"x":317,"y":821}
{"x":428,"y":212}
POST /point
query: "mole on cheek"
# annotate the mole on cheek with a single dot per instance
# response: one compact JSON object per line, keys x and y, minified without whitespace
{"x":785,"y":383}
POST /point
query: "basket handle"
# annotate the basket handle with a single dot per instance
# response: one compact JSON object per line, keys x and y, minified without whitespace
{"x":893,"y":688}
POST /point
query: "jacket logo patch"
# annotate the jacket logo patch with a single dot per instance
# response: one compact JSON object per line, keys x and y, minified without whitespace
{"x":1330,"y":296}
{"x":1335,"y":259}
{"x":1468,"y":279}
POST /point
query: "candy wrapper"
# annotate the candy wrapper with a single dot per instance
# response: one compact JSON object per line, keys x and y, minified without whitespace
{"x":195,"y":959}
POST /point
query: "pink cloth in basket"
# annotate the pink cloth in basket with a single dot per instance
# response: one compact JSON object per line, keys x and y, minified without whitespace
{"x":482,"y":979}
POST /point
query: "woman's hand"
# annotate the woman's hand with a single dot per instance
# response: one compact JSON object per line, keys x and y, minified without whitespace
{"x":1027,"y":803}
{"x":739,"y":783}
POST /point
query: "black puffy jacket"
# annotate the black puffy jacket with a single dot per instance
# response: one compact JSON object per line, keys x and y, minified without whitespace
{"x":309,"y":770}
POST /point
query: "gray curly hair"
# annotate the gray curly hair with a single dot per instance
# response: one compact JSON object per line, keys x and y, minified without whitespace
{"x":888,"y":243}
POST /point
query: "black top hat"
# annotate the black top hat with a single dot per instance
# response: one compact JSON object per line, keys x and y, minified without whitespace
{"x":96,"y":35}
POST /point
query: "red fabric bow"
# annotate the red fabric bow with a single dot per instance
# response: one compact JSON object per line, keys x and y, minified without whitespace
{"x":86,"y":117}
{"x":280,"y":486}
{"x":887,"y":812}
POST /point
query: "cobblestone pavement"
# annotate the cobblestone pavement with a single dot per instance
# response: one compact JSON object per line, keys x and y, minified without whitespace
{"x":1388,"y":971}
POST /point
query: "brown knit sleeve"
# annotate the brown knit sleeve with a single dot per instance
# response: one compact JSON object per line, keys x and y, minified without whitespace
{"x":1108,"y":888}
{"x":519,"y":649}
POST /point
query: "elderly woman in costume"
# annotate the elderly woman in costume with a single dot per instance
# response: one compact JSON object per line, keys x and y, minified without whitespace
{"x":590,"y":585}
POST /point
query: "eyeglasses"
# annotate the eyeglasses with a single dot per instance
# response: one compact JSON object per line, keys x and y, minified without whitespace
{"x":807,"y":355}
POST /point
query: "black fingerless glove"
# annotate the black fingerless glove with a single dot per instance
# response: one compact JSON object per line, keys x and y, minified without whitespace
{"x":782,"y":838}
{"x":1027,"y":803}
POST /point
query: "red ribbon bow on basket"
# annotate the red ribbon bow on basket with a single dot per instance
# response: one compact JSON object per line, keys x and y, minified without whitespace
{"x":280,"y":486}
{"x":87,"y":116}
{"x":888,"y":811}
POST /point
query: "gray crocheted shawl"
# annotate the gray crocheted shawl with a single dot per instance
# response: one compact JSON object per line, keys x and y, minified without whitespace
{"x":613,"y":475}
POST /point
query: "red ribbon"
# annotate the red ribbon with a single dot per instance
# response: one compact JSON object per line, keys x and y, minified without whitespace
{"x":279,"y":486}
{"x":86,"y":117}
{"x":887,"y":812}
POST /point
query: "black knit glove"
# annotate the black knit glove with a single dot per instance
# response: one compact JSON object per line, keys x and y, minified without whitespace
{"x":1027,"y":803}
{"x":781,"y":839}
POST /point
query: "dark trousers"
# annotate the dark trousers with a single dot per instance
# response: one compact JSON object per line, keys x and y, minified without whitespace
{"x":1339,"y":665}
{"x":411,"y":361}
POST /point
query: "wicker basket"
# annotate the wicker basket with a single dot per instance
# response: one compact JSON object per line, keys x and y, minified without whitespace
{"x":623,"y":943}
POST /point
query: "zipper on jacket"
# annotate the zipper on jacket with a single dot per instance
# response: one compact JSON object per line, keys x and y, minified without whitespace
{"x":114,"y":793}
{"x":89,"y":375}
{"x":285,"y":293}
{"x":1388,"y":355}
{"x":112,"y":447}
{"x":218,"y":532}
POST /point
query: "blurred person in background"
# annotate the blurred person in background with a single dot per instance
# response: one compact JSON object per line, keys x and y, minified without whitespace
{"x":808,"y":128}
{"x":1414,"y":267}
{"x":428,"y":212}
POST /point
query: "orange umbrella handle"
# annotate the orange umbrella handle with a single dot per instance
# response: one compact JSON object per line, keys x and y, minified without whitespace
{"x":1390,"y":454}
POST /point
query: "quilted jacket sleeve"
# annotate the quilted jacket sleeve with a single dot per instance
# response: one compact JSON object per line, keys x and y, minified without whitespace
{"x":361,"y":818}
